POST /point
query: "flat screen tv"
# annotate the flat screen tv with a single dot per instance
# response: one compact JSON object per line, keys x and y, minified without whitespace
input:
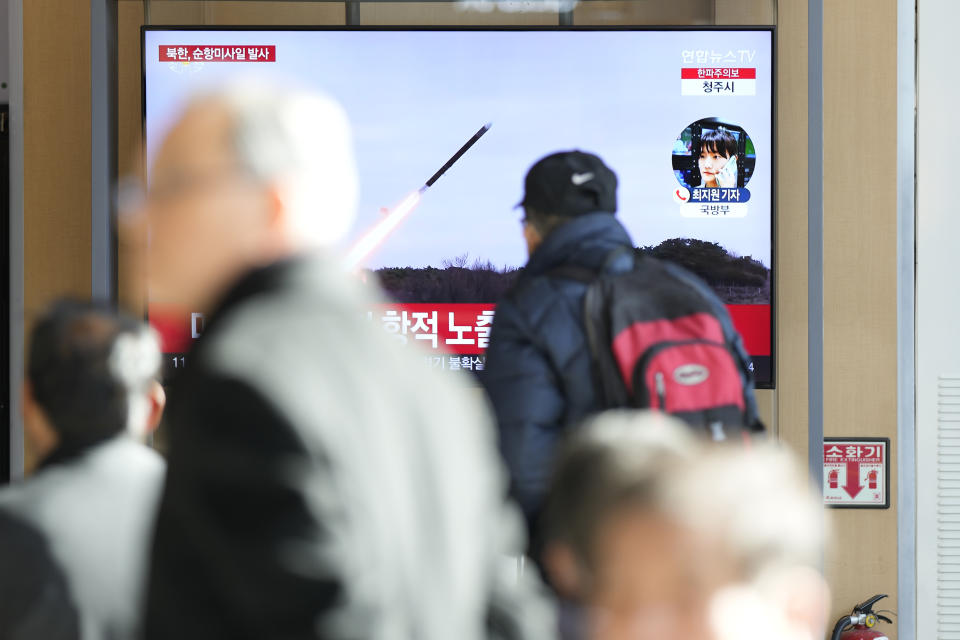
{"x":684,"y":116}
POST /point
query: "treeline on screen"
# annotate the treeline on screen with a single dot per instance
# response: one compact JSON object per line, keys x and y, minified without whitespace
{"x":736,"y":279}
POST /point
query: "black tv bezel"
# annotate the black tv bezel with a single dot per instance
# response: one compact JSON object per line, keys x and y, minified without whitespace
{"x":771,"y":29}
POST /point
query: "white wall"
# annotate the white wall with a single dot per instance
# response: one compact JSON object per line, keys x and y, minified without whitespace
{"x":938,"y":320}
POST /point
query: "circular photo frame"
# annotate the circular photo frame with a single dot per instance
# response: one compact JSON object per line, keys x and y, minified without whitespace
{"x":710,"y":153}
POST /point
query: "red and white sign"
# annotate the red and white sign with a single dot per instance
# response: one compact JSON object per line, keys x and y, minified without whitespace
{"x":855,"y":472}
{"x":217,"y":53}
{"x":462,"y":329}
{"x":728,"y":81}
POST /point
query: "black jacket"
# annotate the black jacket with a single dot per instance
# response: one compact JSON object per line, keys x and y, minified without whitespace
{"x":35,"y":602}
{"x":323,"y":485}
{"x":538,"y":372}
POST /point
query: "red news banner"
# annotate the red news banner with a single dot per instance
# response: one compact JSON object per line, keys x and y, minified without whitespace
{"x":459,"y":329}
{"x":217,"y":53}
{"x":718,"y":73}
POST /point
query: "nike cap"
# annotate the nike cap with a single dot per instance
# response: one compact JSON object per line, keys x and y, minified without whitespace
{"x":570,"y":183}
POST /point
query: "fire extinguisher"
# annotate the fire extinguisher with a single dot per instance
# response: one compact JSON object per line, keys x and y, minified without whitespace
{"x":872,"y":479}
{"x":859,"y":624}
{"x":834,"y":479}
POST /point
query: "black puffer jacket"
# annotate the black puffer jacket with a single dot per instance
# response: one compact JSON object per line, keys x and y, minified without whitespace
{"x":539,"y":368}
{"x":538,"y":371}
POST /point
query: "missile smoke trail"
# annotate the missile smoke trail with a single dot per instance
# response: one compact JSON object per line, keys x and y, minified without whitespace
{"x":377,"y":234}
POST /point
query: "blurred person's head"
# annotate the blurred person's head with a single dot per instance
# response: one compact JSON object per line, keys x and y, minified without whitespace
{"x":609,"y":547}
{"x":758,"y":507}
{"x":562,"y":186}
{"x":91,"y":375}
{"x":245,"y":177}
{"x":658,"y":535}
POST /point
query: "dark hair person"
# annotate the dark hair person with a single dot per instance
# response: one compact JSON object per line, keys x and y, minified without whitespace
{"x":718,"y":147}
{"x":91,"y":393}
{"x":88,"y":370}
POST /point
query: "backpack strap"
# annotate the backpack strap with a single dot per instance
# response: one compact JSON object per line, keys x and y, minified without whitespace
{"x":592,"y":303}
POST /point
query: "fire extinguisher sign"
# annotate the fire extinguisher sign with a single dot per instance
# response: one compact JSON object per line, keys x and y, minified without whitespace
{"x":856,"y":473}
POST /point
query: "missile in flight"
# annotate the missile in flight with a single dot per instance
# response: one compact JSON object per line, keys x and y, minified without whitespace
{"x":459,"y":154}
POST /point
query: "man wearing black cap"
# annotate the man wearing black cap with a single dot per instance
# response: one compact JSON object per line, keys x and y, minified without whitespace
{"x":538,"y":371}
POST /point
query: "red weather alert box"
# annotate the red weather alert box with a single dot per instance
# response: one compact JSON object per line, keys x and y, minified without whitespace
{"x":856,"y":472}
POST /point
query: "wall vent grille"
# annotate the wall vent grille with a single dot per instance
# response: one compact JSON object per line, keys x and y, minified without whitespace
{"x":948,"y":508}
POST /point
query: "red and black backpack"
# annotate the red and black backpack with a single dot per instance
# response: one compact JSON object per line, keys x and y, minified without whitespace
{"x":660,"y":339}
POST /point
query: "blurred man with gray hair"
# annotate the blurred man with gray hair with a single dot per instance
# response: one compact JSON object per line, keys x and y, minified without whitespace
{"x":90,"y":397}
{"x":652,"y":535}
{"x":318,"y":487}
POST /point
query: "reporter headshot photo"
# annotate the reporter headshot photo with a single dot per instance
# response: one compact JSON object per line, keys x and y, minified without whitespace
{"x":718,"y":157}
{"x":713,"y":154}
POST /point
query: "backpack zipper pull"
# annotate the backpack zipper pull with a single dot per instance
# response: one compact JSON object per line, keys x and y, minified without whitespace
{"x":661,"y":390}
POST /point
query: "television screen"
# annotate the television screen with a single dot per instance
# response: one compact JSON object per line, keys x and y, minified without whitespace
{"x":684,"y":117}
